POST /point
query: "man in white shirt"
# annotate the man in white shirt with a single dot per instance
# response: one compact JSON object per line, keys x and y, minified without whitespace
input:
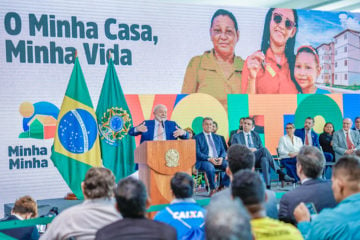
{"x":345,"y":141}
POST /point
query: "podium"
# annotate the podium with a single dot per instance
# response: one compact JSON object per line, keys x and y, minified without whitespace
{"x":159,"y":160}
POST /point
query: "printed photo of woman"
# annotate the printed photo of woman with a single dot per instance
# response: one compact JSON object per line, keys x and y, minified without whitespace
{"x":217,"y":72}
{"x":270,"y":70}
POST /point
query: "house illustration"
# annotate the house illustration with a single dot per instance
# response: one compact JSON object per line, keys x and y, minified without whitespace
{"x":40,"y":127}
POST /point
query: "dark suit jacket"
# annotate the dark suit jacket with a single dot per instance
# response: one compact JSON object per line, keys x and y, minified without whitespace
{"x":25,"y":233}
{"x":314,"y":137}
{"x":202,"y":149}
{"x":239,"y":138}
{"x":170,"y":127}
{"x":136,"y":228}
{"x":317,"y":191}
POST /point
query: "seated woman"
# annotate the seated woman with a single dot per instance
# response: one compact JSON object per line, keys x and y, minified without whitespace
{"x":217,"y":72}
{"x":24,"y":208}
{"x":307,"y":69}
{"x":289,"y":147}
{"x":325,"y":140}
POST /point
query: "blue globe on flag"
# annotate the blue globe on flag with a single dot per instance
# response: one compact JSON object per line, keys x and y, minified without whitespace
{"x":77,"y":131}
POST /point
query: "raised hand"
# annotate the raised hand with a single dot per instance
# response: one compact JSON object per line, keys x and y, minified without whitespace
{"x":178,"y":132}
{"x":142,"y":128}
{"x":254,"y":62}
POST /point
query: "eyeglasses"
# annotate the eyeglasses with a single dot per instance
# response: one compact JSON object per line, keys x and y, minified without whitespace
{"x":277,"y":18}
{"x":289,"y":128}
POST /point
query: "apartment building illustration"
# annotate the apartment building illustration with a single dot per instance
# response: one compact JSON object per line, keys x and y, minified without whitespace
{"x":340,"y":59}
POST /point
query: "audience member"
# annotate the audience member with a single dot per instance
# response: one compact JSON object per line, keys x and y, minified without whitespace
{"x":131,"y":202}
{"x":159,"y":128}
{"x":215,"y":128}
{"x":183,"y":213}
{"x":240,"y":157}
{"x":357,"y":124}
{"x":263,"y":158}
{"x":210,"y":155}
{"x":249,"y":187}
{"x":325,"y":139}
{"x":83,"y":220}
{"x":345,"y":140}
{"x":233,"y":132}
{"x":24,"y":208}
{"x":341,"y":222}
{"x":227,"y":220}
{"x":289,"y":147}
{"x":313,"y":189}
{"x":190,"y":132}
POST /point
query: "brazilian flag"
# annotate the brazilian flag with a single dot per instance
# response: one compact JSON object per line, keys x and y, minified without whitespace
{"x":76,"y":144}
{"x":114,"y":119}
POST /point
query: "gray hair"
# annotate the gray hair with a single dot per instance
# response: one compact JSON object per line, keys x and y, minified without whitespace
{"x":227,"y":219}
{"x":159,"y":106}
{"x":311,"y":160}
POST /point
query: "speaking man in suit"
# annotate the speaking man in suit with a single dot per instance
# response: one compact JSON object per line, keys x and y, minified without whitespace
{"x":307,"y":135}
{"x":345,"y":141}
{"x":210,"y":154}
{"x":263,"y":157}
{"x":313,"y":189}
{"x":159,"y":128}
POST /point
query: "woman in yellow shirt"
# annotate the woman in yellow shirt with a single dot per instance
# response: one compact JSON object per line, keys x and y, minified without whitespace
{"x":217,"y":72}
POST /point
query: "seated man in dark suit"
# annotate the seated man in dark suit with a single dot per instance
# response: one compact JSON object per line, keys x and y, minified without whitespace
{"x":313,"y":189}
{"x":210,"y":154}
{"x":263,"y":157}
{"x":357,"y":125}
{"x":159,"y":128}
{"x":24,"y":208}
{"x":131,"y":201}
{"x":215,"y":128}
{"x":233,"y":132}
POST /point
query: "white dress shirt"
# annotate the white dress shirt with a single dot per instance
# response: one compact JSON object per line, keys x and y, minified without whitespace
{"x":287,"y":146}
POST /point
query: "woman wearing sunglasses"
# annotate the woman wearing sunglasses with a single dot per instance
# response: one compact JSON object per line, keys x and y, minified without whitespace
{"x":307,"y":69}
{"x":217,"y":72}
{"x":270,"y":69}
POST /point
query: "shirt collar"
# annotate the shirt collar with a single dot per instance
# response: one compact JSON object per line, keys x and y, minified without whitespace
{"x":178,"y":200}
{"x":18,"y":216}
{"x":208,"y":61}
{"x":270,"y":56}
{"x":305,"y":180}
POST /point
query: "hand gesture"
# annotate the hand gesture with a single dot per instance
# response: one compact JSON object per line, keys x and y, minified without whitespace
{"x":301,"y":213}
{"x":141,"y":128}
{"x":219,"y":161}
{"x":178,"y":132}
{"x":254,"y":62}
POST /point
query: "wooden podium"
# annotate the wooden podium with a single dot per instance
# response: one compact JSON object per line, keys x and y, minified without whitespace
{"x":159,"y":161}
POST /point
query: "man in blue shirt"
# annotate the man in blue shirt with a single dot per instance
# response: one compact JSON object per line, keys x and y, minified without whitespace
{"x":184,"y":214}
{"x":341,"y":222}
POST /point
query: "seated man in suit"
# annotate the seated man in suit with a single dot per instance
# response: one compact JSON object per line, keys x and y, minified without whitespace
{"x":233,"y":132}
{"x":24,"y":208}
{"x":210,"y":154}
{"x":310,"y":138}
{"x":215,"y":128}
{"x":263,"y":157}
{"x":131,"y":201}
{"x":313,"y":189}
{"x":345,"y":141}
{"x":159,"y":128}
{"x":307,"y":135}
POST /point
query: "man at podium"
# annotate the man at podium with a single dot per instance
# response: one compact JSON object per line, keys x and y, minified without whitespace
{"x":160,"y":128}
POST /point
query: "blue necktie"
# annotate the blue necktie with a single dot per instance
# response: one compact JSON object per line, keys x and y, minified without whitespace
{"x":212,"y":146}
{"x":249,"y":141}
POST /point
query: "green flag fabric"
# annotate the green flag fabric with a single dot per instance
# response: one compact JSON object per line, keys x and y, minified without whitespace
{"x":76,"y":143}
{"x":114,"y":119}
